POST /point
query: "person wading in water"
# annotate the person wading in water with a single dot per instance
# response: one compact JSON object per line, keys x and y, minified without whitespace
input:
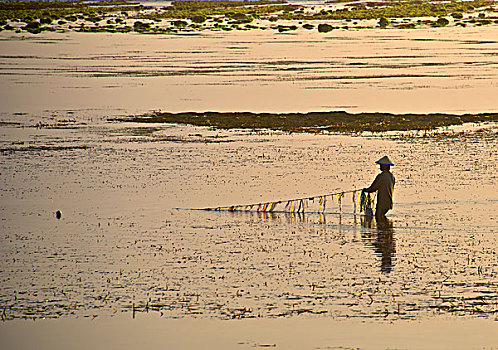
{"x":384,"y":184}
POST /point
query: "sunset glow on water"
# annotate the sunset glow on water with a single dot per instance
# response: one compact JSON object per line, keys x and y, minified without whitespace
{"x":128,"y":242}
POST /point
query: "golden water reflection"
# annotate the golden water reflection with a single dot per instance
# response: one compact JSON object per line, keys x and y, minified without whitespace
{"x":122,"y":247}
{"x":378,"y":235}
{"x":382,"y":240}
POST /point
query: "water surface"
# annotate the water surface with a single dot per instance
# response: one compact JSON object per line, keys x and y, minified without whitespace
{"x":425,"y":70}
{"x":122,"y":244}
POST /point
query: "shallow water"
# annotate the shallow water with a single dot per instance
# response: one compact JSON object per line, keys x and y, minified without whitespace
{"x":153,"y":332}
{"x":122,"y":244}
{"x":426,"y":70}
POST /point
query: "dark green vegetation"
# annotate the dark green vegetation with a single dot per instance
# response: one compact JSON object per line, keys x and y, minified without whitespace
{"x":237,"y":10}
{"x":397,"y":9}
{"x":37,"y":16}
{"x":383,"y":22}
{"x":182,"y":16}
{"x":316,"y":121}
{"x":324,"y":28}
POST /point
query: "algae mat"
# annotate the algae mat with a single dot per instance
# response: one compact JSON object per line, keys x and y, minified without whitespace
{"x":317,"y":121}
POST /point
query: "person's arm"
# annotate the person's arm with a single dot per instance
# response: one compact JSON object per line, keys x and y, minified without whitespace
{"x":374,"y":186}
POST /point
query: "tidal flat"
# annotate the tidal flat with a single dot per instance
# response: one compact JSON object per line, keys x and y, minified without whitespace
{"x":129,"y":248}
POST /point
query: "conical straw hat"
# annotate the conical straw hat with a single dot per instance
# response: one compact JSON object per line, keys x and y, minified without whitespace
{"x":384,"y":161}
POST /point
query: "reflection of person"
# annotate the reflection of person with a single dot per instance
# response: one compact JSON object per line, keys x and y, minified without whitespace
{"x":382,"y":241}
{"x":384,"y":244}
{"x":384,"y":184}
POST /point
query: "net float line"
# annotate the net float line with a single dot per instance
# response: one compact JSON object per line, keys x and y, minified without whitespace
{"x":298,"y":205}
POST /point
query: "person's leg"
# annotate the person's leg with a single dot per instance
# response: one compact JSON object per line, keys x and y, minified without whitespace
{"x":380,"y":214}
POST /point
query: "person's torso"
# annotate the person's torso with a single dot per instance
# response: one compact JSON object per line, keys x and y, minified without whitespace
{"x":386,"y":188}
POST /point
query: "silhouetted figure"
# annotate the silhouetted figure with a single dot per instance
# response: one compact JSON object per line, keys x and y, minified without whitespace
{"x":384,"y":185}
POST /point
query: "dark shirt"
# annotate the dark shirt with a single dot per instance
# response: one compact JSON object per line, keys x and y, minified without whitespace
{"x":384,"y":184}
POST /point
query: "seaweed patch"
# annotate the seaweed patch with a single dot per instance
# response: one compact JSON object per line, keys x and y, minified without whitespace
{"x":338,"y":121}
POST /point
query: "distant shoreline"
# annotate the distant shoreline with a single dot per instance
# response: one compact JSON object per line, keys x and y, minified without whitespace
{"x":334,"y":121}
{"x":277,"y":15}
